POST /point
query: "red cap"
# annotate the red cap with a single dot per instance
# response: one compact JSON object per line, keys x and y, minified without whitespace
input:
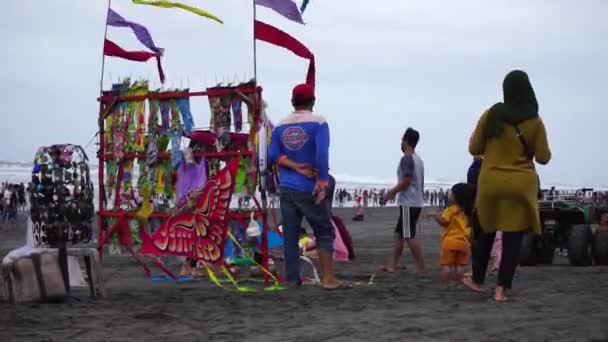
{"x":303,"y":92}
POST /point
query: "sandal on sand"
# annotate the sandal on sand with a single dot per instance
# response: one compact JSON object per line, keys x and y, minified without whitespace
{"x":340,"y":286}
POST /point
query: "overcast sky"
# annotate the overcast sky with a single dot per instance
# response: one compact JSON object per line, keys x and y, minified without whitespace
{"x":381,"y":66}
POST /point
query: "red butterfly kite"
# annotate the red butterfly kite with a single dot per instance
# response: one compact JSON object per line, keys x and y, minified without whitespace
{"x":198,"y":228}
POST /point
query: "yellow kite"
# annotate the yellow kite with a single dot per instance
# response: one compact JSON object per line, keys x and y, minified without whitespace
{"x":169,"y":4}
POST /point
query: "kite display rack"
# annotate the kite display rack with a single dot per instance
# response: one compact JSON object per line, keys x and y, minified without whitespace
{"x":110,"y":99}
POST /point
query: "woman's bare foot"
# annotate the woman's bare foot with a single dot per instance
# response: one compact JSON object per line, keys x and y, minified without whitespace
{"x":499,"y":295}
{"x":471,"y":285}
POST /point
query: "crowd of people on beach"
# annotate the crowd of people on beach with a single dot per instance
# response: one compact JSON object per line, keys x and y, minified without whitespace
{"x":12,"y":201}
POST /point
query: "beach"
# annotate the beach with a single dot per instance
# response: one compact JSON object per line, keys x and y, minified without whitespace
{"x":550,"y":303}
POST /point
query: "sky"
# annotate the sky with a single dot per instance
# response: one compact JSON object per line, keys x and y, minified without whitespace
{"x":382,"y":66}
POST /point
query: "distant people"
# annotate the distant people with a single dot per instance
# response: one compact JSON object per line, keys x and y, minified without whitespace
{"x":359,"y":210}
{"x":602,"y":226}
{"x":21,"y":197}
{"x":375,"y":198}
{"x":455,"y":221}
{"x":510,"y":135}
{"x":410,"y":199}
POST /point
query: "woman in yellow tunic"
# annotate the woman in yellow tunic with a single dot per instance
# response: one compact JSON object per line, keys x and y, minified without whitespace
{"x":511,"y":136}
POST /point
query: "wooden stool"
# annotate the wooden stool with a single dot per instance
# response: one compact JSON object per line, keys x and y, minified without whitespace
{"x":93,"y":268}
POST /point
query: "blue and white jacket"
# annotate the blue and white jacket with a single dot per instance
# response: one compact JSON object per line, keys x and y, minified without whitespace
{"x":303,"y":137}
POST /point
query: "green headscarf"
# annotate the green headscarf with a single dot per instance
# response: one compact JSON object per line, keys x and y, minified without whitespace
{"x":519,"y":104}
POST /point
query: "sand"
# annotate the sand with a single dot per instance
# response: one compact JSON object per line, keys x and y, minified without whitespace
{"x":551,"y":303}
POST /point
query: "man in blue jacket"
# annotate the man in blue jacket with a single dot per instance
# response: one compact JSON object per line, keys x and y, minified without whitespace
{"x":300,"y":147}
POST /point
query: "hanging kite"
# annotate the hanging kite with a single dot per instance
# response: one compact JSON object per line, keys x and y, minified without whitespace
{"x":273,"y":35}
{"x":169,"y":4}
{"x":286,"y":8}
{"x":198,"y":229}
{"x":141,"y":33}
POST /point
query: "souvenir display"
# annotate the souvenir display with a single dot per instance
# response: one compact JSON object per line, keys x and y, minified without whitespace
{"x":62,"y":196}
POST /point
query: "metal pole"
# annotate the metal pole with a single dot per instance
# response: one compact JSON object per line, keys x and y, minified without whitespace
{"x":103,"y":55}
{"x":101,"y":152}
{"x":255,"y":47}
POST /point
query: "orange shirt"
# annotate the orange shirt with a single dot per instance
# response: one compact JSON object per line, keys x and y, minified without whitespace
{"x":456,"y":235}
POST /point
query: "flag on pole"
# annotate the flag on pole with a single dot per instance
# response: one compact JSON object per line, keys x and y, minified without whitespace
{"x":169,"y":4}
{"x":286,"y":8}
{"x":140,"y":31}
{"x":111,"y":49}
{"x":273,"y":35}
{"x":142,"y":34}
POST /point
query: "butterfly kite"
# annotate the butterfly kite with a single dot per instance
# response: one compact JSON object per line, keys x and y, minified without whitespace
{"x":198,"y":229}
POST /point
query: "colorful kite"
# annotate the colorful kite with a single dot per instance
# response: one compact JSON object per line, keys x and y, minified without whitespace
{"x":273,"y":35}
{"x":169,"y":4}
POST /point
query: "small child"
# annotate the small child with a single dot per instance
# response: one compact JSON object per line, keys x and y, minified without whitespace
{"x":455,"y":237}
{"x":307,"y":244}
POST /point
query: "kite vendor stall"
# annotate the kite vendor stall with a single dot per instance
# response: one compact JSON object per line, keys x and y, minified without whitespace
{"x":146,"y":176}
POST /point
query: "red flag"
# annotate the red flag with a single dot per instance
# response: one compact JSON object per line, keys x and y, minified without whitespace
{"x":273,"y":35}
{"x":113,"y":50}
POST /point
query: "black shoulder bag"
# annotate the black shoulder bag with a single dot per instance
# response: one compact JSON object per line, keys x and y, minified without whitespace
{"x":530,"y":155}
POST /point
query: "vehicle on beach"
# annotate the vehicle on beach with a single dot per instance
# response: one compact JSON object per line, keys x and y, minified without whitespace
{"x":566,"y":224}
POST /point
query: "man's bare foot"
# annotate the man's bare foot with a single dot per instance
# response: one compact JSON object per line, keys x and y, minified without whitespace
{"x":471,"y":285}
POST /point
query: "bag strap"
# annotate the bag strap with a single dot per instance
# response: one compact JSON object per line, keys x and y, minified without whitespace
{"x":527,"y":150}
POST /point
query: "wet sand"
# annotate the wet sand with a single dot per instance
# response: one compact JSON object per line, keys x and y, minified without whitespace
{"x":551,"y":303}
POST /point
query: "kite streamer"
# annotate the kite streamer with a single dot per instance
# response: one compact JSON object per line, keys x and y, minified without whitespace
{"x":169,"y":4}
{"x":273,"y":35}
{"x":286,"y":8}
